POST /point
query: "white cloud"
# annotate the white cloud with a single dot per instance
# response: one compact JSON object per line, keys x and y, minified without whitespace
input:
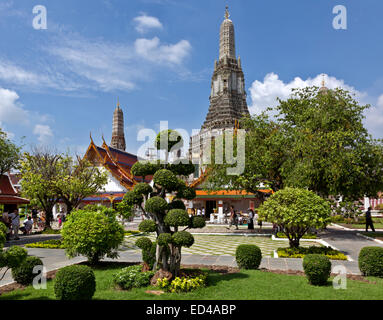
{"x":10,"y":111}
{"x":44,"y":133}
{"x":153,"y":50}
{"x":145,"y":23}
{"x":264,"y":94}
{"x":374,"y":118}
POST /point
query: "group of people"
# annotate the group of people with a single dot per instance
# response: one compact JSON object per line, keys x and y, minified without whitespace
{"x":252,"y":216}
{"x":12,"y":222}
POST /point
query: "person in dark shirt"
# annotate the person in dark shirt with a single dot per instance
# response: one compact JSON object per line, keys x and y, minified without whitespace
{"x":369,"y":222}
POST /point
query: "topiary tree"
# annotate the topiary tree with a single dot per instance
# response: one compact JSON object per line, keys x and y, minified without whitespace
{"x":317,"y":268}
{"x":296,"y":210}
{"x":370,"y":261}
{"x":12,"y":258}
{"x":23,"y":274}
{"x":93,"y":232}
{"x":75,"y":282}
{"x":166,"y":219}
{"x":248,"y":256}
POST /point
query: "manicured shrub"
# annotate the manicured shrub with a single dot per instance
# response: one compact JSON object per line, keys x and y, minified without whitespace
{"x":248,"y":256}
{"x":186,"y":192}
{"x":177,"y":218}
{"x":197,"y":222}
{"x":142,"y":188}
{"x":23,"y":274}
{"x":14,"y":256}
{"x":147,"y":226}
{"x":317,"y":269}
{"x":300,"y":252}
{"x":156,"y":205}
{"x":176,"y":204}
{"x":371,"y":261}
{"x":92,"y":234}
{"x":75,"y":282}
{"x":133,"y":198}
{"x":47,"y":244}
{"x":183,"y":239}
{"x":166,"y":179}
{"x":132,"y":277}
{"x":148,"y":250}
{"x":164,"y":239}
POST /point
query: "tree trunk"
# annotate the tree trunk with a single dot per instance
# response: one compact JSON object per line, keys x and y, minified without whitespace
{"x":175,"y":260}
{"x":48,"y":219}
{"x":294,"y":243}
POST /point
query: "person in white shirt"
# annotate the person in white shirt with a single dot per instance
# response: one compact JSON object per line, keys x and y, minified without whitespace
{"x":28,"y":224}
{"x":203,"y":212}
{"x":15,"y":221}
{"x":198,"y":212}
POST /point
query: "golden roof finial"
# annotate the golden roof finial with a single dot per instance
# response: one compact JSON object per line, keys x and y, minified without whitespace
{"x":118,"y":102}
{"x":227,"y":14}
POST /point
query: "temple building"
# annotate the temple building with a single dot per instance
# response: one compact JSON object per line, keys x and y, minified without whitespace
{"x":227,"y":106}
{"x":227,"y":98}
{"x":10,"y":193}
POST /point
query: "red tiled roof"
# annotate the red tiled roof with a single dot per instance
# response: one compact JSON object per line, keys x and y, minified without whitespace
{"x":8,"y":199}
{"x":6,"y":186}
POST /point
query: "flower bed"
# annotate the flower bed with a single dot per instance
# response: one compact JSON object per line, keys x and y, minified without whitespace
{"x":188,"y":280}
{"x":301,"y":252}
{"x":47,"y":244}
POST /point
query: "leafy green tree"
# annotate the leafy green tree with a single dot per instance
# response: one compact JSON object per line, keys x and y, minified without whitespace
{"x":40,"y":171}
{"x":296,"y":210}
{"x":265,"y":154}
{"x":93,"y":232}
{"x":78,"y":180}
{"x":331,"y":151}
{"x":9,"y":154}
{"x":169,"y":220}
{"x":317,"y":141}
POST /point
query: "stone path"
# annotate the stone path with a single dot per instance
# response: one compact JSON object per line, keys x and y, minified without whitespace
{"x":222,"y":245}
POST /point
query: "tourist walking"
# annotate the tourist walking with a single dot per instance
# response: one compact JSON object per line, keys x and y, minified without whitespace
{"x":369,"y":222}
{"x":250,"y":224}
{"x":233,"y":218}
{"x":34,"y":218}
{"x":15,"y":221}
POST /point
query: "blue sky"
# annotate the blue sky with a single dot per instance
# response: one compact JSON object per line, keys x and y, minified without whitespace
{"x":157,"y":56}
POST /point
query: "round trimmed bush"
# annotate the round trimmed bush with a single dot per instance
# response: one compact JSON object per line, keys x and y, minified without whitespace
{"x":147,"y":226}
{"x":166,"y":179}
{"x":23,"y":274}
{"x":142,"y":188}
{"x":14,"y":256}
{"x":317,"y":268}
{"x":156,"y":205}
{"x":144,"y":243}
{"x":75,"y":282}
{"x":176,"y":204}
{"x":187,"y":193}
{"x":371,"y":261}
{"x":183,"y":239}
{"x":164,"y":239}
{"x":132,"y":198}
{"x":248,"y":256}
{"x":176,"y":218}
{"x":144,"y":168}
{"x":197,"y":222}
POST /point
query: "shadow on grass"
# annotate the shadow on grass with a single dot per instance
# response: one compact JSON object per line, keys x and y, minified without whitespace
{"x":214,"y":278}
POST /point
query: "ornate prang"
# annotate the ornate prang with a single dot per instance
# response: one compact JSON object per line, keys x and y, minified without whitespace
{"x":118,"y":136}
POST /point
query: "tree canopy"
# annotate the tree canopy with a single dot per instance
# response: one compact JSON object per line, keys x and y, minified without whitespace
{"x":316,"y":140}
{"x":9,"y":154}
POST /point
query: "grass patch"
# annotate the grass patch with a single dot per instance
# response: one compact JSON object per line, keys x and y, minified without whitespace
{"x":301,"y":252}
{"x":375,"y":235}
{"x":132,"y":232}
{"x":245,"y":285}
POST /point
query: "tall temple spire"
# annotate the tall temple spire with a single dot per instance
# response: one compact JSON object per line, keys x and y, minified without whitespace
{"x":118,"y":136}
{"x":226,"y":39}
{"x":228,"y":96}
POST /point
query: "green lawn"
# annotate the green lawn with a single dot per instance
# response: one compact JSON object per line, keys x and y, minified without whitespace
{"x":376,"y":235}
{"x":246,"y":285}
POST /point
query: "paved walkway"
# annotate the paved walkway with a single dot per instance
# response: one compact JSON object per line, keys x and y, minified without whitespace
{"x":347,"y":241}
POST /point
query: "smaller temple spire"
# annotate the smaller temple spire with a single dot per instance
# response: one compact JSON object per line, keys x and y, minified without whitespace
{"x":323,"y":89}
